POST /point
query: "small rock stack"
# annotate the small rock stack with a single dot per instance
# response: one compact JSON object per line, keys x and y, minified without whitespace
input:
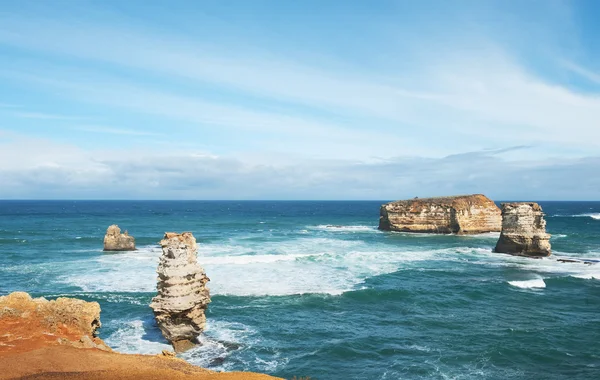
{"x":182,"y":296}
{"x":523,"y":230}
{"x":114,"y":240}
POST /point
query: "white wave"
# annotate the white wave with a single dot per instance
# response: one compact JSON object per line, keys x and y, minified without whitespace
{"x":295,"y":266}
{"x":558,"y":236}
{"x":305,"y":264}
{"x":587,"y":276}
{"x":593,"y":215}
{"x":529,"y":284}
{"x":137,"y":337}
{"x":254,"y":259}
{"x":486,"y":235}
{"x":218,"y":341}
{"x":340,"y":228}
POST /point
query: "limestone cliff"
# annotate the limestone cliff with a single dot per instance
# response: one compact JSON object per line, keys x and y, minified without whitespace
{"x":41,"y":339}
{"x":182,"y":293}
{"x":32,"y":323}
{"x":463,"y":214}
{"x":523,"y":230}
{"x":114,"y":240}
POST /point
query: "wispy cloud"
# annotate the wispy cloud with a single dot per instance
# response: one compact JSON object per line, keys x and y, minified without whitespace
{"x":585,"y":73}
{"x":6,"y":105}
{"x":115,"y":131}
{"x":65,"y":171}
{"x":447,"y":112}
{"x":45,"y":116}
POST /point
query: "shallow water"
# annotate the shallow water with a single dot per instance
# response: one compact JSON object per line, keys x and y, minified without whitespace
{"x":314,"y":289}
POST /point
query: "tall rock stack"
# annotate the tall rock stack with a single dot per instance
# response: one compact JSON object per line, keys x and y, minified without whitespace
{"x":523,"y":230}
{"x":182,"y":296}
{"x":461,"y":214}
{"x":114,"y":240}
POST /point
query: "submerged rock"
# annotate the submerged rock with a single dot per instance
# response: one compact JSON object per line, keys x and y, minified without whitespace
{"x":523,"y":230}
{"x":29,"y":323}
{"x":182,"y":296}
{"x":463,"y":214}
{"x":114,"y":240}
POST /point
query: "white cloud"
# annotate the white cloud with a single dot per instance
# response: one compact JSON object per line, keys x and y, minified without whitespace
{"x":115,"y":131}
{"x":480,"y":97}
{"x":44,"y":116}
{"x":60,"y":171}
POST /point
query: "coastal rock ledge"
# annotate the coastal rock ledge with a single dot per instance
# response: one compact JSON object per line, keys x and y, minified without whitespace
{"x":114,"y":240}
{"x":523,"y":230}
{"x":182,"y":293}
{"x":461,"y":214}
{"x":28,"y":323}
{"x":51,"y":340}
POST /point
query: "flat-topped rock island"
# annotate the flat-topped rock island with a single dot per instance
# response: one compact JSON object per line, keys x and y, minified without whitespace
{"x":460,"y":214}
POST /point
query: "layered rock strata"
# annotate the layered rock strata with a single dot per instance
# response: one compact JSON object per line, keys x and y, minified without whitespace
{"x":523,"y":230}
{"x":29,"y":323}
{"x":462,"y":214}
{"x":114,"y":240}
{"x":41,"y":339}
{"x":182,"y":293}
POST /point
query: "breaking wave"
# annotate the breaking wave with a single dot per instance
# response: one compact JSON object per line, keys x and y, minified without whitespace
{"x":529,"y":284}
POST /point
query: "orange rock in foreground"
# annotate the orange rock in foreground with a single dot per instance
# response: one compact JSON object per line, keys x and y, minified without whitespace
{"x":27,"y":323}
{"x":63,"y":362}
{"x":41,"y":339}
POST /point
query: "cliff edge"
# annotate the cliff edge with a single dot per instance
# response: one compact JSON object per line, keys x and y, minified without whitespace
{"x":41,"y":339}
{"x":461,"y":214}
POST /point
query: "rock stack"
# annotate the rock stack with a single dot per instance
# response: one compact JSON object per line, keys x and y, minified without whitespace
{"x":462,"y":215}
{"x":114,"y":240}
{"x":182,"y":293}
{"x":523,"y":230}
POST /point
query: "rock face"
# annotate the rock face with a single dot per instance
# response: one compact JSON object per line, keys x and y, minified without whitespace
{"x":462,"y":214}
{"x":27,"y":323}
{"x":41,"y":339}
{"x":114,"y":240}
{"x":182,"y":293}
{"x":523,"y":230}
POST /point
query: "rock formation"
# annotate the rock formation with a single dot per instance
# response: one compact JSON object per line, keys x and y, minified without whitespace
{"x":182,"y":293}
{"x":463,"y":214}
{"x":114,"y":240}
{"x":523,"y":230}
{"x":34,"y":323}
{"x":41,"y":339}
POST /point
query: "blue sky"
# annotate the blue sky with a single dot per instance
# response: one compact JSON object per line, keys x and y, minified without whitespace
{"x":299,"y":100}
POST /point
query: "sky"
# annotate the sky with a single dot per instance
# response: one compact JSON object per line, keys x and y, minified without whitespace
{"x":311,"y":99}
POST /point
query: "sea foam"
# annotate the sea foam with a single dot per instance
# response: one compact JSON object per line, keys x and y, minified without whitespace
{"x":593,"y":215}
{"x":529,"y":284}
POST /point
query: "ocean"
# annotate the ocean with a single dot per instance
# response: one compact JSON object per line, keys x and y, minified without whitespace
{"x":314,"y":289}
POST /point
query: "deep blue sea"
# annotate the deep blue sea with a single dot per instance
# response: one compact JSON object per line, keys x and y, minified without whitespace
{"x":314,"y":289}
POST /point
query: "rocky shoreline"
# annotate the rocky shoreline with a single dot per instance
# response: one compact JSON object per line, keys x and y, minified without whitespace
{"x":57,"y":339}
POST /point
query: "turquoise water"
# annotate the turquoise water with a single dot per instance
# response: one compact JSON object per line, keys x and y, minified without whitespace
{"x":313,"y":289}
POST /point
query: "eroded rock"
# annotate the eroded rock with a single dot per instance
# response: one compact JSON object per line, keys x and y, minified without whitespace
{"x":463,"y":214}
{"x":114,"y":240}
{"x":182,"y":296}
{"x":523,"y":230}
{"x":28,"y":323}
